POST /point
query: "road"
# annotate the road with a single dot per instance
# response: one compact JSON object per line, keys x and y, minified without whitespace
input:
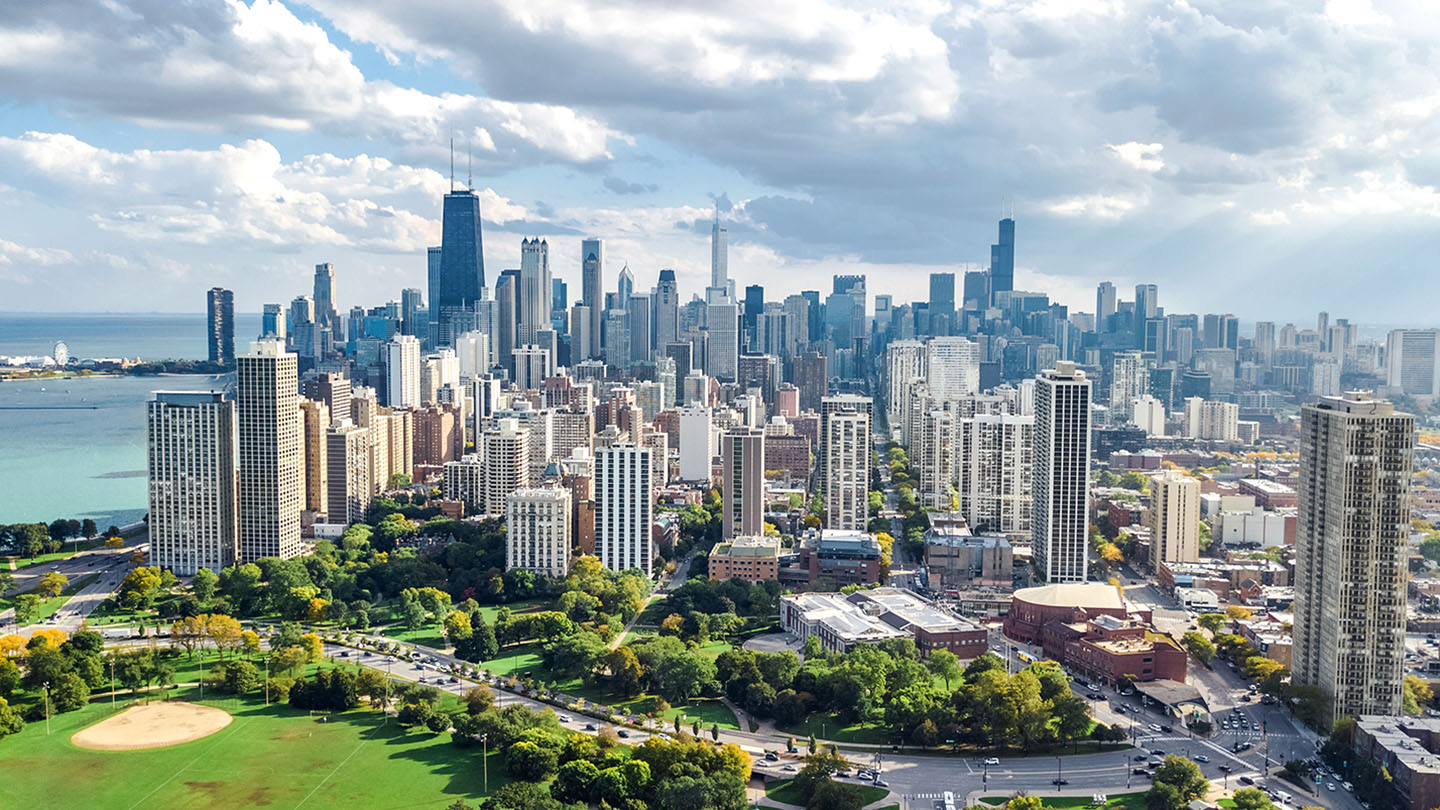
{"x":110,"y":564}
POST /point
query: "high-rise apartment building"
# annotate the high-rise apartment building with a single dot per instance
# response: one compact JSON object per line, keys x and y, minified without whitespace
{"x":220,"y":315}
{"x":315,"y":424}
{"x":538,"y":531}
{"x":532,"y":365}
{"x":742,"y":454}
{"x":1211,"y":420}
{"x":1174,"y":518}
{"x":624,"y":507}
{"x":506,"y":456}
{"x":1104,"y":304}
{"x":994,"y":471}
{"x":272,"y":321}
{"x":1129,"y":380}
{"x":270,"y":487}
{"x":665,"y":314}
{"x":952,"y":367}
{"x":696,"y":442}
{"x":402,"y":372}
{"x":191,"y":481}
{"x":349,"y":472}
{"x":904,"y":366}
{"x":845,"y":425}
{"x":1061,"y":489}
{"x":1356,"y":457}
{"x":1412,"y":362}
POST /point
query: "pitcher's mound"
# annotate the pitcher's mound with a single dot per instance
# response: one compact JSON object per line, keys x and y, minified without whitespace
{"x":153,"y":725}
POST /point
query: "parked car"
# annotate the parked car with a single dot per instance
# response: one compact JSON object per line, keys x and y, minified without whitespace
{"x":1201,"y":758}
{"x":992,"y":760}
{"x":1140,"y":772}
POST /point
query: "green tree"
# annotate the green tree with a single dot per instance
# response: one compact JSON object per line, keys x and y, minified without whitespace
{"x":9,"y":677}
{"x":240,"y":677}
{"x":205,"y":584}
{"x":1199,"y":646}
{"x":69,"y":692}
{"x":1213,"y":621}
{"x":576,"y":782}
{"x":530,"y":761}
{"x":1176,"y":783}
{"x":1252,"y":799}
{"x":52,"y":584}
{"x":1430,"y":548}
{"x":1135,"y":481}
{"x":10,"y":720}
{"x":945,"y":665}
{"x":27,"y":605}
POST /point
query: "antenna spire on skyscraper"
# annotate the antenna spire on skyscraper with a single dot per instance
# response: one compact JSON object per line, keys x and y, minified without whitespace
{"x":452,"y":162}
{"x":469,"y":166}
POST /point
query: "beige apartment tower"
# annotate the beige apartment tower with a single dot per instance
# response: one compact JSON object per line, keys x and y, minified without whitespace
{"x":271,"y":487}
{"x":1356,"y":455}
{"x":845,"y":458}
{"x":191,"y":481}
{"x":1174,"y":517}
{"x":538,"y":530}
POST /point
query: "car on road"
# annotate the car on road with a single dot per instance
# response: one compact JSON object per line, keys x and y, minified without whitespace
{"x":1140,"y":771}
{"x":1095,"y":696}
{"x":1166,"y":729}
{"x":992,"y":760}
{"x":1245,"y":780}
{"x":590,"y":727}
{"x":1155,"y":727}
{"x":1201,"y":758}
{"x":1225,"y":768}
{"x":1242,"y":746}
{"x":1330,"y":786}
{"x":623,"y":734}
{"x":1348,"y":786}
{"x":880,"y":783}
{"x":1059,"y":782}
{"x":564,"y":718}
{"x":790,"y":768}
{"x":1141,"y":757}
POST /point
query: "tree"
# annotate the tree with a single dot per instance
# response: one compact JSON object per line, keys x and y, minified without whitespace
{"x":576,"y":782}
{"x":1135,"y":481}
{"x":1237,"y":612}
{"x":313,"y":646}
{"x":945,"y":665}
{"x":9,"y":677}
{"x":1213,"y":621}
{"x":27,"y":605}
{"x":374,"y":686}
{"x":1176,"y":783}
{"x":52,"y":584}
{"x":114,"y":542}
{"x":240,"y":677}
{"x":69,"y":692}
{"x":289,"y":660}
{"x":1430,"y":548}
{"x":1199,"y":646}
{"x":457,"y":625}
{"x":1252,"y":799}
{"x":204,"y":584}
{"x":574,"y":655}
{"x":1416,"y":694}
{"x":530,"y":761}
{"x":625,"y":671}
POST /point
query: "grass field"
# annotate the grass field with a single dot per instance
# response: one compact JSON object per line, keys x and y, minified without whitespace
{"x":1122,"y":801}
{"x":271,"y":756}
{"x":428,"y":636}
{"x":784,"y":791}
{"x":828,"y":727}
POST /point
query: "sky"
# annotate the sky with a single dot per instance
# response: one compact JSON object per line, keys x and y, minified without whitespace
{"x":1269,"y":159}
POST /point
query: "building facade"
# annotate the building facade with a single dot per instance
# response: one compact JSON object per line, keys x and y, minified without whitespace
{"x":538,"y":531}
{"x":191,"y":477}
{"x":270,"y":488}
{"x":1061,"y":483}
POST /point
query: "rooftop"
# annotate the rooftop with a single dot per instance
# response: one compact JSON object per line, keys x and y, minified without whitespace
{"x":1390,"y":733}
{"x":1075,"y":594}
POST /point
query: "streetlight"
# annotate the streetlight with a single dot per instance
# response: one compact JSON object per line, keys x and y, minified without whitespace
{"x":485,"y":759}
{"x":1059,"y":778}
{"x":47,"y":708}
{"x":112,"y":683}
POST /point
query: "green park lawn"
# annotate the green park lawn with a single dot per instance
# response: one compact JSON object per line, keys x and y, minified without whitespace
{"x":268,"y":756}
{"x":429,"y":636}
{"x":1122,"y":801}
{"x":829,"y":727}
{"x":784,"y":791}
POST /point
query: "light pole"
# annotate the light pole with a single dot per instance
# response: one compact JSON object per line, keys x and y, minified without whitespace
{"x":267,"y":681}
{"x":485,"y":759}
{"x":112,"y":683}
{"x":47,"y":708}
{"x":1059,"y":777}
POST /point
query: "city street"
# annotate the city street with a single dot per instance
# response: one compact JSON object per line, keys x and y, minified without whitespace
{"x":110,"y":564}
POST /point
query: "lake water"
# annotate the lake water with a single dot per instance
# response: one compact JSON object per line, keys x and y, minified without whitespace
{"x":89,"y":461}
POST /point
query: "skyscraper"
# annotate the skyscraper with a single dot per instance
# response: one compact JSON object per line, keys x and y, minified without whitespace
{"x":1356,"y":454}
{"x":220,"y":312}
{"x":665,"y":317}
{"x":325,"y":313}
{"x":1412,"y":362}
{"x":272,"y":321}
{"x":1062,"y":473}
{"x":722,"y":356}
{"x":349,"y":471}
{"x":624,"y":507}
{"x":845,"y":460}
{"x":1104,"y":305}
{"x":191,"y":479}
{"x":719,"y":255}
{"x":696,"y":442}
{"x":462,"y":264}
{"x":270,"y":486}
{"x":592,"y":287}
{"x":534,"y":301}
{"x":754,"y":304}
{"x":1002,"y":259}
{"x":942,"y":303}
{"x":742,"y":454}
{"x":402,"y":372}
{"x":637,"y":313}
{"x":1129,"y":379}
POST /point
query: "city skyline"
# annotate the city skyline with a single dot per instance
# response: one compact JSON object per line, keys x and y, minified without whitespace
{"x":128,"y":199}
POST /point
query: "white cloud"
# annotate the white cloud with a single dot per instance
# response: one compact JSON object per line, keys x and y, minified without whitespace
{"x":1098,"y":206}
{"x":1143,"y":156}
{"x":1273,"y":216}
{"x":14,"y":254}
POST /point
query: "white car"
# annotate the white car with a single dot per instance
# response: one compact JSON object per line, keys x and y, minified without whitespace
{"x":992,"y":760}
{"x":1154,"y":727}
{"x":564,"y":718}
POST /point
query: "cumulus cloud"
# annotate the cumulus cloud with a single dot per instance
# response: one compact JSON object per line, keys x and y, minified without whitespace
{"x":619,"y":186}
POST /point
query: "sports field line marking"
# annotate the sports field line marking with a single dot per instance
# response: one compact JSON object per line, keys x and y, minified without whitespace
{"x":182,"y":768}
{"x":332,"y":773}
